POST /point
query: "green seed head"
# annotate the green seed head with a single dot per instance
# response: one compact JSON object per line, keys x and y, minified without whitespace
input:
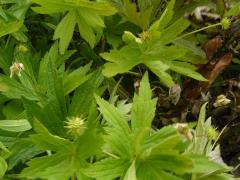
{"x":225,"y":23}
{"x":22,"y":48}
{"x":75,"y":126}
{"x":212,"y":133}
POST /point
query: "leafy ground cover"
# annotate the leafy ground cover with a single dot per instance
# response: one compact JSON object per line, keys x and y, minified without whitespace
{"x":119,"y":89}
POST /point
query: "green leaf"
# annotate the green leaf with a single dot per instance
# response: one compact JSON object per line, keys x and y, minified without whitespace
{"x":107,"y":169}
{"x":113,"y":116}
{"x":121,"y":61}
{"x":46,"y":141}
{"x":21,"y":151}
{"x":47,"y":115}
{"x":55,"y":166}
{"x":172,"y":161}
{"x":143,"y":108}
{"x":147,"y":170}
{"x":203,"y":164}
{"x":234,"y":10}
{"x":55,"y":6}
{"x":76,"y":78}
{"x":190,"y":46}
{"x":200,"y":138}
{"x":165,"y":17}
{"x":84,"y":95}
{"x":142,"y":18}
{"x":64,"y":31}
{"x":159,"y":69}
{"x":131,"y":172}
{"x":186,"y":69}
{"x":10,"y":27}
{"x":2,"y":147}
{"x":15,"y":90}
{"x":87,"y":14}
{"x":171,"y":32}
{"x":3,"y":167}
{"x":159,"y":138}
{"x":15,"y":125}
{"x":153,"y":50}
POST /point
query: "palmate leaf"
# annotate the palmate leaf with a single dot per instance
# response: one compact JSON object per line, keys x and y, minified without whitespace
{"x":134,"y":147}
{"x":87,"y":14}
{"x":67,"y":158}
{"x":152,"y":49}
{"x":9,"y":27}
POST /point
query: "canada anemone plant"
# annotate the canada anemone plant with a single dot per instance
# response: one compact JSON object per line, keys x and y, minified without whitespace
{"x":66,"y":115}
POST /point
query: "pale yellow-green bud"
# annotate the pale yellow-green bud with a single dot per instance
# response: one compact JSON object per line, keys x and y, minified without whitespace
{"x":75,"y":126}
{"x":212,"y":133}
{"x":22,"y":48}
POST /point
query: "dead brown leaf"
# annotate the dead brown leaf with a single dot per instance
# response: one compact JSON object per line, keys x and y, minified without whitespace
{"x":210,"y":71}
{"x":220,"y":65}
{"x":212,"y":46}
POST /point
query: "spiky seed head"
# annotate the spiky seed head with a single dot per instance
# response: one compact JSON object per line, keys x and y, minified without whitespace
{"x":212,"y":133}
{"x":75,"y":126}
{"x":225,"y":23}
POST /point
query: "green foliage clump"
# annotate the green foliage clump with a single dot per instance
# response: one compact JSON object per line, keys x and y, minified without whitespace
{"x":66,"y":115}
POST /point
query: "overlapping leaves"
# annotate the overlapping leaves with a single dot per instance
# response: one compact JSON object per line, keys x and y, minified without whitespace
{"x":133,"y":148}
{"x":152,"y":49}
{"x":86,"y":14}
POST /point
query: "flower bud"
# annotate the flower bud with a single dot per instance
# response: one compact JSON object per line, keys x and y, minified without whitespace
{"x":16,"y":69}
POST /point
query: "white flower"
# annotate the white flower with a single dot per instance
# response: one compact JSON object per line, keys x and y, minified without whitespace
{"x":221,"y":101}
{"x":182,"y":128}
{"x":16,"y":68}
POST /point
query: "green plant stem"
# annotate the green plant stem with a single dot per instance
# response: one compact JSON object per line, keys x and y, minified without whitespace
{"x":199,"y":30}
{"x":112,"y":155}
